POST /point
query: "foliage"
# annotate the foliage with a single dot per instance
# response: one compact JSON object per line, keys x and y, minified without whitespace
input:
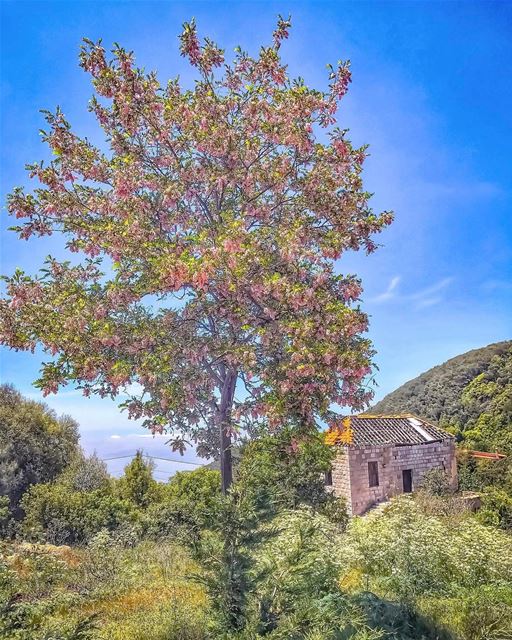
{"x":299,"y":571}
{"x":184,"y":505}
{"x":286,"y":470}
{"x":436,"y":482}
{"x":137,"y":483}
{"x":470,"y":394}
{"x":487,"y":399}
{"x":85,"y":473}
{"x":483,"y":612}
{"x":4,"y":514}
{"x":434,"y":564}
{"x":195,"y":492}
{"x":398,"y":573}
{"x":227,"y":560}
{"x":124,"y":594}
{"x":57,"y":515}
{"x":496,"y":508}
{"x":35,"y":445}
{"x":206,"y":235}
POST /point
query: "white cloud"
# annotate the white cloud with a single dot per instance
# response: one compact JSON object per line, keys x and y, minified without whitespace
{"x":422,"y":299}
{"x":426,"y":293}
{"x":389,"y":293}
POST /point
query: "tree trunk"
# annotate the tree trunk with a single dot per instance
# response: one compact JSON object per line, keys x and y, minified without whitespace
{"x":224,"y":423}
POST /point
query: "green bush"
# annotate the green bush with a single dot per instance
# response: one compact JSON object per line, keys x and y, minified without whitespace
{"x":286,"y":470}
{"x":436,"y":483}
{"x":35,"y":445}
{"x":195,"y":493}
{"x":408,"y":554}
{"x":85,"y":473}
{"x":137,"y":484}
{"x":496,"y":508}
{"x":57,"y":515}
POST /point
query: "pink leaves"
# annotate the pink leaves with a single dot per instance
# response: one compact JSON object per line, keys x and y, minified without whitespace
{"x":200,"y":280}
{"x":231,"y":245}
{"x":190,"y":46}
{"x":282,"y":31}
{"x":340,"y":79}
{"x":207,"y":57}
{"x":223,"y":214}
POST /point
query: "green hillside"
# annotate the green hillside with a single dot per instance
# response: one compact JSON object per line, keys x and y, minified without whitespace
{"x":470,"y":394}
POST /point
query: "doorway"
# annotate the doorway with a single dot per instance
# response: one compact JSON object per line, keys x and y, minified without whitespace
{"x":407,"y":480}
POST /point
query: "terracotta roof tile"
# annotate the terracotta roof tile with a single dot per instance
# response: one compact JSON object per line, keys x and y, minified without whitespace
{"x":368,"y":430}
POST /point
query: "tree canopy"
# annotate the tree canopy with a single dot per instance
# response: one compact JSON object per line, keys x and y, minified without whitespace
{"x":204,"y":237}
{"x":35,"y":444}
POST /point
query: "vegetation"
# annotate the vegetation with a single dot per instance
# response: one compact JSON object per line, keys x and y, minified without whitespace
{"x":97,"y":558}
{"x":204,"y":232}
{"x":35,"y":445}
{"x":470,"y":394}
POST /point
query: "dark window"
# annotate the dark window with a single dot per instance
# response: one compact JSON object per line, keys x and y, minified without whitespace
{"x":328,"y":478}
{"x":373,"y":474}
{"x":407,"y":480}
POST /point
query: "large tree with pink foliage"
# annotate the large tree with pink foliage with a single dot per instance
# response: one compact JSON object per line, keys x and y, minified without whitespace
{"x":205,"y":234}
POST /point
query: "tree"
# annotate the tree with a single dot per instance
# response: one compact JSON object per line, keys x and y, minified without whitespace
{"x":208,"y":233}
{"x":286,"y":471}
{"x":35,"y":445}
{"x":85,"y":473}
{"x":137,"y":483}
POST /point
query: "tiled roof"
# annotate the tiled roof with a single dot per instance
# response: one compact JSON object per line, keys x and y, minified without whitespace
{"x":368,"y":430}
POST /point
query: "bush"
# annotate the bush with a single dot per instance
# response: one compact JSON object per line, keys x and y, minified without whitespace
{"x":428,"y":562}
{"x":195,"y":493}
{"x":286,"y":470}
{"x":85,"y":473}
{"x":496,"y":508}
{"x":137,"y":483}
{"x":436,"y":483}
{"x":57,"y":515}
{"x":35,"y":445}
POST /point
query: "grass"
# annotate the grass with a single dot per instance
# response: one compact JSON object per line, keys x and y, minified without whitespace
{"x":132,"y":594}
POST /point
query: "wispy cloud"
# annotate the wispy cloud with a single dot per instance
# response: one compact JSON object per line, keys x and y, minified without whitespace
{"x":428,"y":302}
{"x":389,"y":293}
{"x":427,"y":297}
{"x":426,"y":294}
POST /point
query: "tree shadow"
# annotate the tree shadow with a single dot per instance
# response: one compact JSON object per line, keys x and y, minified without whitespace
{"x":400,"y":621}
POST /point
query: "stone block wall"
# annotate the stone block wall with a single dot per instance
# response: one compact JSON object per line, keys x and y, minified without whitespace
{"x":350,"y":470}
{"x":341,"y":476}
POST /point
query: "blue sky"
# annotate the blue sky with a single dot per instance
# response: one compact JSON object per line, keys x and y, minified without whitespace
{"x":431,"y":94}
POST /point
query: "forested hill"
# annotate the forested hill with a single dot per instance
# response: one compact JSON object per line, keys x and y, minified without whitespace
{"x":470,"y":394}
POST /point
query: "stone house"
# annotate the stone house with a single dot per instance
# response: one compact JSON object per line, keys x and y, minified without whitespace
{"x":381,"y":456}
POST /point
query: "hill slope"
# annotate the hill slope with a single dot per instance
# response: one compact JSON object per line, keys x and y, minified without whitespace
{"x":470,"y":394}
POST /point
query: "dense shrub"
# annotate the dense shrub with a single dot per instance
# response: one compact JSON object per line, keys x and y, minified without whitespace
{"x":287,"y":470}
{"x":188,"y":502}
{"x":35,"y":445}
{"x":57,"y":515}
{"x":389,"y":549}
{"x":137,"y":484}
{"x":436,"y":483}
{"x":196,"y":493}
{"x":428,"y":562}
{"x":496,"y":508}
{"x":85,"y":473}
